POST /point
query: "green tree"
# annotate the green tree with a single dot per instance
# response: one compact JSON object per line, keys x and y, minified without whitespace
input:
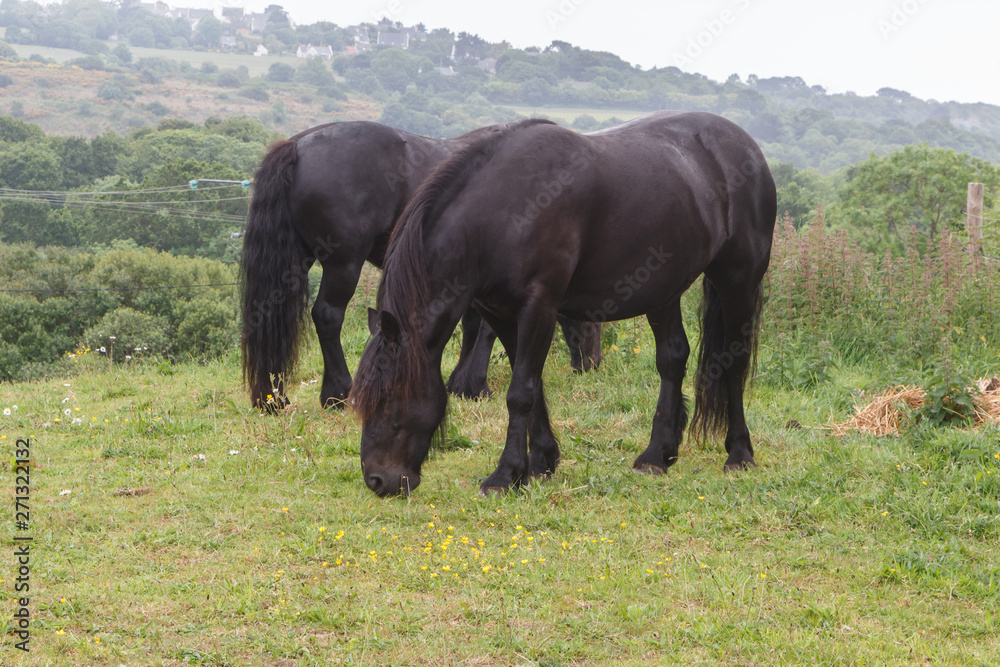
{"x":122,"y":53}
{"x":282,"y":72}
{"x":918,"y":187}
{"x":800,"y":191}
{"x":314,"y":71}
{"x":29,"y":166}
{"x":395,"y":68}
{"x":208,"y":32}
{"x":14,"y":130}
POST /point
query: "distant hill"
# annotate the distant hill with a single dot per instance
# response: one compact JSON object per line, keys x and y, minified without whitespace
{"x":444,"y":84}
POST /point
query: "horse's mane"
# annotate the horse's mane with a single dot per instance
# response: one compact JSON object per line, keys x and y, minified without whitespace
{"x":404,"y":288}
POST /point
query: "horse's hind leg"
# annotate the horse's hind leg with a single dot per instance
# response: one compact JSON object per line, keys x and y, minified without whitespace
{"x":584,"y":342}
{"x":738,"y":305}
{"x":335,"y":291}
{"x":671,"y":416}
{"x":468,"y":380}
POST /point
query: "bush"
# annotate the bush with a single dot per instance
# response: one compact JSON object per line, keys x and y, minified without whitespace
{"x":255,"y":93}
{"x":11,"y":361}
{"x":125,"y":332}
{"x":5,"y":80}
{"x":228,"y":79}
{"x":282,"y":72}
{"x":114,"y":90}
{"x":209,"y":329}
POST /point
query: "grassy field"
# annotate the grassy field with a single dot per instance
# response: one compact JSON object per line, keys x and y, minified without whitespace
{"x":256,"y":65}
{"x":172,"y":525}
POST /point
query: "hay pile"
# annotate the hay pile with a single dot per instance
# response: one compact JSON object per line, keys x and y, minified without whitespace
{"x":883,"y":415}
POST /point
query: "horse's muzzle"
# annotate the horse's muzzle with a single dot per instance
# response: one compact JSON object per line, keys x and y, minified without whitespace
{"x":386,"y":484}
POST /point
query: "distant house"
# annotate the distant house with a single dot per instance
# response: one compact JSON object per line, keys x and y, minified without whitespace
{"x":446,"y":71}
{"x":257,"y":22}
{"x":362,"y":43}
{"x":487,"y":64}
{"x":228,"y":42}
{"x":158,"y":8}
{"x":415,"y":34}
{"x":397,"y":39}
{"x":190,"y":14}
{"x":261,"y":50}
{"x":310,"y":51}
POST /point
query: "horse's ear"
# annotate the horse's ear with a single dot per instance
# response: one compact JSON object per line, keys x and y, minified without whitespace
{"x":389,"y":326}
{"x":372,"y":321}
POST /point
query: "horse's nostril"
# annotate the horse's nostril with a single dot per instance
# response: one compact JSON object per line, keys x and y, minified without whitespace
{"x":375,"y":483}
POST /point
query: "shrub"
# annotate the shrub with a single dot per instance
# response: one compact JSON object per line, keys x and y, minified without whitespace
{"x":208,"y":329}
{"x":125,"y":332}
{"x":256,"y":93}
{"x":11,"y":361}
{"x":280,"y":72}
{"x":5,"y":80}
{"x":114,"y":90}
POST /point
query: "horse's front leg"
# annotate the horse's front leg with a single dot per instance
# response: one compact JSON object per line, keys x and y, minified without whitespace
{"x":525,"y":402}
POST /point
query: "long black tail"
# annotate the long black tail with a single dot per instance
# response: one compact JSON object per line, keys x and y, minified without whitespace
{"x":274,"y":280}
{"x":716,"y":358}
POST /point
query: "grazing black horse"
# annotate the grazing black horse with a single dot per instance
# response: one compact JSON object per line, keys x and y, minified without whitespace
{"x":332,"y":194}
{"x":535,"y":220}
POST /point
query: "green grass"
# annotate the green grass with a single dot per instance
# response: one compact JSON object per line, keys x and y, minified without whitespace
{"x":258,"y":543}
{"x":257,"y":66}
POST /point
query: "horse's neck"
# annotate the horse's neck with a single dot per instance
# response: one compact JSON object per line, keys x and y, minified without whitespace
{"x":449,"y":299}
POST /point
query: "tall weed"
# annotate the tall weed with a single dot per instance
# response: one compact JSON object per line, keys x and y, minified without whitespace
{"x":876,"y":310}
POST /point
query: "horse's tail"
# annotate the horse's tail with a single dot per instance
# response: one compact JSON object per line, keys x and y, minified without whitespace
{"x":274,"y":279}
{"x":711,"y":407}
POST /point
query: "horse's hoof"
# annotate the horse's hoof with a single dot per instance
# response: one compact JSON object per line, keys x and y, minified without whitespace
{"x":493,"y":491}
{"x":649,"y":469}
{"x":739,"y":466}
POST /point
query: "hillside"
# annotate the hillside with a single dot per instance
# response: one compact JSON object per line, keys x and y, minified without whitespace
{"x":424,"y":90}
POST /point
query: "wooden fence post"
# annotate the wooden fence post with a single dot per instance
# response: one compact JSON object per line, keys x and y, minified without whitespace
{"x":974,"y":220}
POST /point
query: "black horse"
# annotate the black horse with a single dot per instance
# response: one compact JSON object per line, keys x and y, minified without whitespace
{"x":535,"y":220}
{"x":332,"y":194}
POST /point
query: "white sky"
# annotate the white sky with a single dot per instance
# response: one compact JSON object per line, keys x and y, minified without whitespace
{"x":933,"y":49}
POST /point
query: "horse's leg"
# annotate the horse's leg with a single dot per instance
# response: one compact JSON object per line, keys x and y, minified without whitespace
{"x":468,"y":380}
{"x":584,"y":342}
{"x":335,"y":290}
{"x":590,"y":349}
{"x":527,"y":343}
{"x":671,"y":416}
{"x":740,"y":311}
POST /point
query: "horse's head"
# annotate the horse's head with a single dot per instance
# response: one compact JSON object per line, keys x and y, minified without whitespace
{"x":401,"y":403}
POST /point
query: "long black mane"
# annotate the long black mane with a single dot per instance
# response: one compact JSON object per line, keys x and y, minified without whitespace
{"x":404,"y":288}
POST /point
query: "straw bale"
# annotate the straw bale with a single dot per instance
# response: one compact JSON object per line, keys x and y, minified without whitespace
{"x":883,"y":415}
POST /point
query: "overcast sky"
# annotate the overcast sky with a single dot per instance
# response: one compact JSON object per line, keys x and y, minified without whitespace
{"x":933,"y":49}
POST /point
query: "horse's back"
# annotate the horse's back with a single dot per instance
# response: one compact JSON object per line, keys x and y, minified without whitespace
{"x":353,"y":178}
{"x":627,"y":217}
